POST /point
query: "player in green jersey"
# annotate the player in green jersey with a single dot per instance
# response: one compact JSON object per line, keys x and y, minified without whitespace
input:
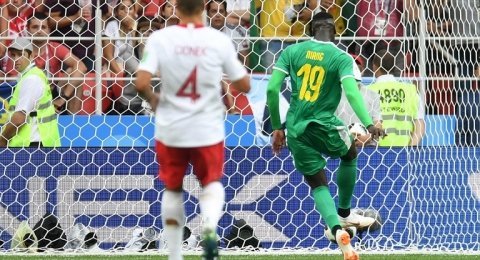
{"x":317,"y":70}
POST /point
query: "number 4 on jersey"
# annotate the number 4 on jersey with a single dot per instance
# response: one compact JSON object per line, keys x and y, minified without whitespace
{"x":189,"y":87}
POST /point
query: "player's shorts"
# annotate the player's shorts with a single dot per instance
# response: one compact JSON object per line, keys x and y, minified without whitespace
{"x":207,"y":163}
{"x":307,"y":149}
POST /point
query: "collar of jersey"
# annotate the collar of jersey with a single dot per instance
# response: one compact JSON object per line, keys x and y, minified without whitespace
{"x":191,"y":25}
{"x":315,"y":40}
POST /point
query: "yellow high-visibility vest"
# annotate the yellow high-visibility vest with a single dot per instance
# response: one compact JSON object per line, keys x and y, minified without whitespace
{"x":44,"y":113}
{"x":399,"y":107}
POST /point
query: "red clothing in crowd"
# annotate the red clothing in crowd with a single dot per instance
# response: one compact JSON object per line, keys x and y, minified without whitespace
{"x":54,"y":55}
{"x":389,"y":11}
{"x":152,"y":7}
{"x":17,"y":25}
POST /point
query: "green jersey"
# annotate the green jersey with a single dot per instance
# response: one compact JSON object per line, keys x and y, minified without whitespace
{"x":316,"y":70}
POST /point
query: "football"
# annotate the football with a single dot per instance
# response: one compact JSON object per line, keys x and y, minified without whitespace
{"x":373,"y":214}
{"x":358,"y":129}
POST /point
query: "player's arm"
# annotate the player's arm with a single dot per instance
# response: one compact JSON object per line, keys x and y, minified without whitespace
{"x":273,"y":98}
{"x":280,"y":72}
{"x":243,"y":84}
{"x":144,"y":89}
{"x":358,"y":105}
{"x":355,"y":99}
{"x":345,"y":66}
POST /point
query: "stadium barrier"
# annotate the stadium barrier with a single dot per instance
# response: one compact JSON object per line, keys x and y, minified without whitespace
{"x":138,"y":131}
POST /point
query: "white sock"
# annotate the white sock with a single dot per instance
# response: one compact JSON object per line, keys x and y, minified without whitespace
{"x":211,"y":202}
{"x":173,"y":209}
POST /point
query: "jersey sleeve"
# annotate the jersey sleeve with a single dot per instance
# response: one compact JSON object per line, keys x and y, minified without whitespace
{"x":345,"y":66}
{"x":149,"y":61}
{"x":283,"y":63}
{"x":231,"y":65}
{"x":30,"y":94}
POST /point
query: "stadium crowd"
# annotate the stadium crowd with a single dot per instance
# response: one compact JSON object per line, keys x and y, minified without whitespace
{"x":63,"y":34}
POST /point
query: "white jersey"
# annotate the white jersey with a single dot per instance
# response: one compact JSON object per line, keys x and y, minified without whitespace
{"x":191,"y":61}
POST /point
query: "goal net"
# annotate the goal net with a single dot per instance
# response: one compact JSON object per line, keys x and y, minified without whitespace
{"x":99,"y":190}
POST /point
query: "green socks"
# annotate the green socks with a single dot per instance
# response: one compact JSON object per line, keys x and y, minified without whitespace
{"x":325,"y":205}
{"x":346,"y":178}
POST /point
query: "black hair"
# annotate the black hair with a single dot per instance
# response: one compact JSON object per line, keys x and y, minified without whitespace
{"x":320,"y":18}
{"x":221,"y":2}
{"x":152,"y":22}
{"x":39,"y":16}
{"x":190,"y":7}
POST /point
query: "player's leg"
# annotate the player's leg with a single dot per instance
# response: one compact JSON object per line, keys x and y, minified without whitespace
{"x":208,"y":167}
{"x":340,"y":144}
{"x":311,"y":164}
{"x":346,"y":179}
{"x":173,"y":164}
{"x":313,"y":142}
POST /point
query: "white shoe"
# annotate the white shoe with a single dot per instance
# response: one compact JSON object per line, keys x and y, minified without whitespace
{"x":356,"y":220}
{"x":343,"y":241}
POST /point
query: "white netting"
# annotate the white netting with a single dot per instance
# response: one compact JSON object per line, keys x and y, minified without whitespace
{"x":103,"y":178}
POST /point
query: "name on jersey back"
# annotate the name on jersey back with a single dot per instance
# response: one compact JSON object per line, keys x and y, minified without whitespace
{"x":190,"y":50}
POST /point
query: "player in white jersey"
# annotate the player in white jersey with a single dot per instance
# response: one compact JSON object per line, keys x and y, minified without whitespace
{"x":189,"y":118}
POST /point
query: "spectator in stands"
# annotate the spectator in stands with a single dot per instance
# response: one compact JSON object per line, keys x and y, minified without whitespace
{"x":149,"y":8}
{"x":145,"y":27}
{"x":378,"y":18}
{"x":343,"y":11}
{"x":167,"y":13}
{"x":238,"y":12}
{"x":69,"y":19}
{"x":466,"y":30}
{"x":403,"y":109}
{"x":439,"y":23}
{"x":119,"y":54}
{"x":32,"y":119}
{"x":277,"y":19}
{"x":372,"y":102}
{"x":216,"y":15}
{"x":13,"y":19}
{"x":130,"y":103}
{"x":57,"y":61}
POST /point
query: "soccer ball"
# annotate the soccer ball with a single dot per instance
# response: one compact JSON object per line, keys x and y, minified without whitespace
{"x":373,"y":214}
{"x":357,"y":129}
{"x":352,"y":231}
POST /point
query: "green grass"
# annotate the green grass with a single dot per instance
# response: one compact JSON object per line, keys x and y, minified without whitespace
{"x":249,"y":257}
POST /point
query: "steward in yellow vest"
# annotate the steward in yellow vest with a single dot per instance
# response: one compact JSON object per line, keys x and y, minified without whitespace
{"x":400,"y":104}
{"x":32,"y":117}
